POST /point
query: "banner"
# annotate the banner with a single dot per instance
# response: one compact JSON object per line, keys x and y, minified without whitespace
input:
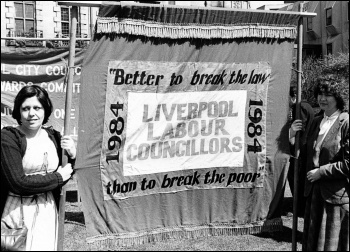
{"x":46,"y":68}
{"x":182,"y":123}
{"x":216,"y":124}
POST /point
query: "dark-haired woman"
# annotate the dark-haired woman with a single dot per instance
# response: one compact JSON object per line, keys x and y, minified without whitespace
{"x":31,"y":170}
{"x":326,"y":219}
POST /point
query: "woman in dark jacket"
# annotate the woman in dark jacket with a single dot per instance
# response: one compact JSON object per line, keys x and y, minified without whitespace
{"x":326,"y":219}
{"x":31,"y":172}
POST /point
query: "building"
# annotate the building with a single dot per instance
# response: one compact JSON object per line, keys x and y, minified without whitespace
{"x":328,"y":32}
{"x":42,"y":19}
{"x":47,"y":19}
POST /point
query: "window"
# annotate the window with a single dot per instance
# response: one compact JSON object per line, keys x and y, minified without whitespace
{"x":25,"y":19}
{"x":328,"y":16}
{"x":329,"y":49}
{"x":309,"y":24}
{"x":65,"y":14}
{"x":65,"y":20}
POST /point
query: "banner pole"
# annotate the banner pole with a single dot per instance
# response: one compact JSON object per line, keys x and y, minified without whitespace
{"x":68,"y":106}
{"x":296,"y":150}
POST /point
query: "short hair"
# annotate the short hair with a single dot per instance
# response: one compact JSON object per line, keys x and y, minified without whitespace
{"x":28,"y":92}
{"x":331,"y":85}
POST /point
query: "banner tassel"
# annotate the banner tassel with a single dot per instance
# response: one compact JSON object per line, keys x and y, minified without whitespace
{"x":113,"y":241}
{"x":106,"y":25}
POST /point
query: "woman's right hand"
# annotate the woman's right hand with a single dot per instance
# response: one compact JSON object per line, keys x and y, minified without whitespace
{"x":296,"y":126}
{"x":66,"y":171}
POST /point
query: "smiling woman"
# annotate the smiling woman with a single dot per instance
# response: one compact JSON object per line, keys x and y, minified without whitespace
{"x":32,"y":116}
{"x":329,"y":96}
{"x":31,"y":175}
{"x":326,"y":226}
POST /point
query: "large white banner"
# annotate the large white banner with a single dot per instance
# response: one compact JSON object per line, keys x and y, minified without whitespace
{"x":185,"y":130}
{"x":173,"y":126}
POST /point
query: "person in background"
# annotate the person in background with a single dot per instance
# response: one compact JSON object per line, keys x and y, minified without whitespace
{"x":326,"y":219}
{"x":307,"y":115}
{"x":31,"y":169}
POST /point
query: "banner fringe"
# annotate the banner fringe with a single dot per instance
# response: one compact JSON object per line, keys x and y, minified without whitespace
{"x":110,"y":25}
{"x":113,"y":241}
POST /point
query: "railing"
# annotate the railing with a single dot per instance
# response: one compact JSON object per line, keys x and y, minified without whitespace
{"x":31,"y":39}
{"x":30,"y":34}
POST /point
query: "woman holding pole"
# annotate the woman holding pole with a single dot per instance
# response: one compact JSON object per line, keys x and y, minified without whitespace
{"x":326,"y":219}
{"x":31,"y":172}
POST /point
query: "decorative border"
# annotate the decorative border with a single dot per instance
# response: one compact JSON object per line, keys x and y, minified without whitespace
{"x":178,"y":31}
{"x":113,"y":240}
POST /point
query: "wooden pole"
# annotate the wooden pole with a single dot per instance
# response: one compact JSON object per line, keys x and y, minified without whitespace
{"x":296,"y":151}
{"x":91,"y":22}
{"x":68,"y":106}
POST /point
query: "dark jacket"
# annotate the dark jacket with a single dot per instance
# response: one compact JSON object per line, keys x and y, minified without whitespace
{"x":307,"y":115}
{"x":13,"y":178}
{"x":333,"y":160}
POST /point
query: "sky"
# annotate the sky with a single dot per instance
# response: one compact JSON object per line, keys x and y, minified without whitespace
{"x":256,"y":4}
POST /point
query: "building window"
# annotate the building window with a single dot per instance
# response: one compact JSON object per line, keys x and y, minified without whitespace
{"x":65,"y":15}
{"x":25,"y":19}
{"x":329,"y":49}
{"x":309,"y":24}
{"x":65,"y":21}
{"x":329,"y":16}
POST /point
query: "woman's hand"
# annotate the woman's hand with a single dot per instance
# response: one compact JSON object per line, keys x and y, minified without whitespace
{"x":67,"y":143}
{"x":66,"y":171}
{"x":296,"y":126}
{"x":313,"y":175}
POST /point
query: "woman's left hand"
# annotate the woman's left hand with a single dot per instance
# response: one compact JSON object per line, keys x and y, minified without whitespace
{"x":68,"y":144}
{"x":313,"y":175}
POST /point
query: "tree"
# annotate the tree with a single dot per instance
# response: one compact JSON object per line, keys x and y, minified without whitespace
{"x":338,"y":68}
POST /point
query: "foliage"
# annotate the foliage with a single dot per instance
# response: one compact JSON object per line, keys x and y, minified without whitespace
{"x":314,"y":68}
{"x":338,"y":64}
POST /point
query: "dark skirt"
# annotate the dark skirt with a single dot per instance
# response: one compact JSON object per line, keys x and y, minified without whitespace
{"x":326,"y":226}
